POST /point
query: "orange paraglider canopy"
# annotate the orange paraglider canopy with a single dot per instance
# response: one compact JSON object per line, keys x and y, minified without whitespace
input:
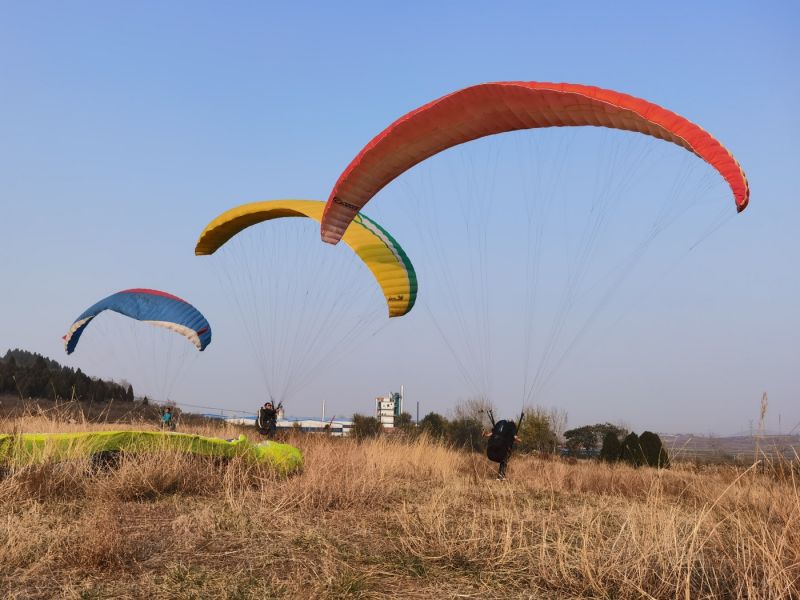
{"x":491,"y":108}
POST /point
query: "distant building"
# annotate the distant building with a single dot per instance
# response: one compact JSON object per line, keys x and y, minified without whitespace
{"x":251,"y":421}
{"x":336,"y":427}
{"x":387,"y":408}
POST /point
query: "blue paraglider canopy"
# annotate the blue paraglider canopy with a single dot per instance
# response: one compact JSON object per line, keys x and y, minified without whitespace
{"x":151,"y":306}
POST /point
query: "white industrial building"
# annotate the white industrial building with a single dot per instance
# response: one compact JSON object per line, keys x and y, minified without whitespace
{"x":388,"y":408}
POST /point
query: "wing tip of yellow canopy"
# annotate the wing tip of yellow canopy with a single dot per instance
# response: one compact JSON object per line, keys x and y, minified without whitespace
{"x":226,"y":225}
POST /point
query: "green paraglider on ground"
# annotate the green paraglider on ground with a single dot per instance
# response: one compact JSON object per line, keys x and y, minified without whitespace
{"x":28,"y":448}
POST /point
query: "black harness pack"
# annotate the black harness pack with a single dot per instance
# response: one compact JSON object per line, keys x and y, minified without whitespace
{"x":502,"y":439}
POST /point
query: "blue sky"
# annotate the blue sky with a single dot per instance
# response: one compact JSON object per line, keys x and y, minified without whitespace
{"x":126,"y":127}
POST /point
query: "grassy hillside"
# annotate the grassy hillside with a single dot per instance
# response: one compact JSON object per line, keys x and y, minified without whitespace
{"x":394,"y":519}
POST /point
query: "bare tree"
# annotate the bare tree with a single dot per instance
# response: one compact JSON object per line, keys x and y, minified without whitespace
{"x":476,"y":408}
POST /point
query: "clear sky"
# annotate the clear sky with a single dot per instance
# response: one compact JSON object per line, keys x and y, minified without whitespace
{"x":125,"y":127}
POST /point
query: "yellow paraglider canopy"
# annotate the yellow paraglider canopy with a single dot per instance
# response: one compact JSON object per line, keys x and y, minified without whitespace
{"x":374,"y":245}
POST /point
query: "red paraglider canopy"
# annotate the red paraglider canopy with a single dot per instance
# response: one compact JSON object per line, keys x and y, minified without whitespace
{"x":491,"y":108}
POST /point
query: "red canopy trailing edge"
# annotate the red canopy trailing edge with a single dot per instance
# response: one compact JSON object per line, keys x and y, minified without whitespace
{"x":490,"y":108}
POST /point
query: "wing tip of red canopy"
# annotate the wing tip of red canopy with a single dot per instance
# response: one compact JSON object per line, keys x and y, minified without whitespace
{"x":658,"y":121}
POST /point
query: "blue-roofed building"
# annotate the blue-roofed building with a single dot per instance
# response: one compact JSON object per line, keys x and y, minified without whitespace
{"x":336,"y":427}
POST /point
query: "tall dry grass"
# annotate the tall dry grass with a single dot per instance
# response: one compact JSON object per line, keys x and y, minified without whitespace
{"x":393,"y":519}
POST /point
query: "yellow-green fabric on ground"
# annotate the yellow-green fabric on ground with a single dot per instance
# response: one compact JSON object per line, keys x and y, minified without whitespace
{"x":29,"y":448}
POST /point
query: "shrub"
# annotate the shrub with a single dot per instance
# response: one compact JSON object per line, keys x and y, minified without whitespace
{"x":365,"y":427}
{"x":653,"y":452}
{"x":434,"y":424}
{"x":631,"y":451}
{"x":536,"y":433}
{"x":610,"y":452}
{"x":465,"y":433}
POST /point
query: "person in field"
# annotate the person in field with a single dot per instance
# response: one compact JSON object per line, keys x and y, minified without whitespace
{"x":267,"y":420}
{"x":500,"y":444}
{"x":167,"y":420}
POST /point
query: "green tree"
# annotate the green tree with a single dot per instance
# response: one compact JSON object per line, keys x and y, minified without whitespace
{"x":365,"y":427}
{"x":536,"y":433}
{"x":403,"y":419}
{"x":434,"y":425}
{"x":465,"y":433}
{"x":631,"y":452}
{"x":611,"y":448}
{"x":653,"y":452}
{"x":603,"y":429}
{"x":98,"y":391}
{"x":6,"y":385}
{"x":38,"y":378}
{"x":129,"y":393}
{"x":582,"y":438}
{"x":82,"y":385}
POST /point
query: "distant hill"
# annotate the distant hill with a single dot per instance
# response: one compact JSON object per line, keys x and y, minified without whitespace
{"x":27,"y":359}
{"x":31,"y":375}
{"x":736,"y":446}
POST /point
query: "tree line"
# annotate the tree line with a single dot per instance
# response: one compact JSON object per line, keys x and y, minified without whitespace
{"x":618,"y":445}
{"x":31,"y":375}
{"x":539,"y":432}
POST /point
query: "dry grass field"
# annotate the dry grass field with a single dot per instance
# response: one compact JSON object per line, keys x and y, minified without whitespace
{"x":393,"y":519}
